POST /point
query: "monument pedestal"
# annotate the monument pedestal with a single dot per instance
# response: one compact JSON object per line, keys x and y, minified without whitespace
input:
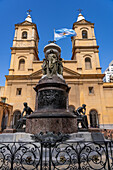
{"x":51,"y":112}
{"x":64,"y":125}
{"x":51,"y":109}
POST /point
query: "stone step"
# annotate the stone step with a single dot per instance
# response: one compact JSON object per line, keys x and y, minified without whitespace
{"x":85,"y":135}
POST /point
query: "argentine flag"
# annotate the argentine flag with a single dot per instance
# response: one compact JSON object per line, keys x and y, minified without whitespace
{"x":63,"y":33}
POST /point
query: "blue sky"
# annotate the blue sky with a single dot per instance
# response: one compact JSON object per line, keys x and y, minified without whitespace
{"x":50,"y":14}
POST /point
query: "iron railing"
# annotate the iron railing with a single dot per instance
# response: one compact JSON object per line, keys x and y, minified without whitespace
{"x":61,"y":156}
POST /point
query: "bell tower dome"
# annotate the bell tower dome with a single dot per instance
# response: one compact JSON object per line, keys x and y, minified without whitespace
{"x":25,"y":47}
{"x":84,"y":47}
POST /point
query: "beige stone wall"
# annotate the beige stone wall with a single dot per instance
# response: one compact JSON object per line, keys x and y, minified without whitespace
{"x":82,"y":48}
{"x":27,"y":94}
{"x":2,"y":91}
{"x":79,"y":94}
{"x":108,"y":97}
{"x":101,"y":100}
{"x":26,"y":49}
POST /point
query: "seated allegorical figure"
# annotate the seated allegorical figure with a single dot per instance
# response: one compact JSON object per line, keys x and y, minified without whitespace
{"x":80,"y":112}
{"x":22,"y":120}
{"x":81,"y":117}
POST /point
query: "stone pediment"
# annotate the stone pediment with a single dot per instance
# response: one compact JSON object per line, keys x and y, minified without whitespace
{"x":25,"y":23}
{"x":37,"y":74}
{"x":70,"y":73}
{"x":83,"y":21}
{"x":67,"y":73}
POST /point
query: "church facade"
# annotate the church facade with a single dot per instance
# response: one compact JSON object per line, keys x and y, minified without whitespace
{"x":82,"y":73}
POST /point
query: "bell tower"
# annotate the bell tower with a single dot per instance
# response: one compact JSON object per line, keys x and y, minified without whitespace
{"x":84,"y":47}
{"x":25,"y":47}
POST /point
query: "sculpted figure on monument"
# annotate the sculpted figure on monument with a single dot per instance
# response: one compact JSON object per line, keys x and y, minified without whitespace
{"x":60,"y":66}
{"x":80,"y":112}
{"x":52,"y":65}
{"x":22,"y":120}
{"x":44,"y":67}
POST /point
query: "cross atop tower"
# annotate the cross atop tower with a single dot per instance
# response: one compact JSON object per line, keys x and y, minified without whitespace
{"x":79,"y":10}
{"x":29,"y":11}
{"x":28,"y":16}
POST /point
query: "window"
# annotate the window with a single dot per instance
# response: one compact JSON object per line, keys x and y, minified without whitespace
{"x":24,"y":35}
{"x":5,"y":118}
{"x":84,"y":34}
{"x":91,"y":90}
{"x":21,"y":65}
{"x":18,"y":91}
{"x":88,"y":65}
{"x":94,"y":119}
{"x":16,"y":117}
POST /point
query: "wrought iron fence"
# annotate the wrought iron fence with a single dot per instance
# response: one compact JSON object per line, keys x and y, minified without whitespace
{"x":60,"y":156}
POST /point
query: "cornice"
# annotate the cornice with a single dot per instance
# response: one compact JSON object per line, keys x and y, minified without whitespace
{"x":27,"y":24}
{"x":37,"y":61}
{"x":21,"y":77}
{"x":99,"y":68}
{"x":11,"y":69}
{"x":92,"y":76}
{"x":88,"y":47}
{"x":75,"y":24}
{"x":71,"y":76}
{"x":69,"y":61}
{"x":23,"y":48}
{"x":81,"y":39}
{"x":108,"y":85}
{"x":17,"y":77}
{"x":24,"y":40}
{"x":89,"y":23}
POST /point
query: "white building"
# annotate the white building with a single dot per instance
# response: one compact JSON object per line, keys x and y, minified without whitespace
{"x":109,"y":72}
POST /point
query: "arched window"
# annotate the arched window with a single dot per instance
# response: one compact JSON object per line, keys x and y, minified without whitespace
{"x":94,"y":121}
{"x":5,"y":118}
{"x":24,"y":35}
{"x":21,"y":65}
{"x":16,"y":117}
{"x":84,"y":34}
{"x":88,"y":65}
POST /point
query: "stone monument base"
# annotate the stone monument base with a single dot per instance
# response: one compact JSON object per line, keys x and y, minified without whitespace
{"x":94,"y":130}
{"x":64,"y":125}
{"x":9,"y":130}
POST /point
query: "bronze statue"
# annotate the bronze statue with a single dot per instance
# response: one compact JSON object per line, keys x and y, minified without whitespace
{"x":22,"y":120}
{"x":60,"y":66}
{"x":52,"y":65}
{"x":80,"y":112}
{"x":44,"y":67}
